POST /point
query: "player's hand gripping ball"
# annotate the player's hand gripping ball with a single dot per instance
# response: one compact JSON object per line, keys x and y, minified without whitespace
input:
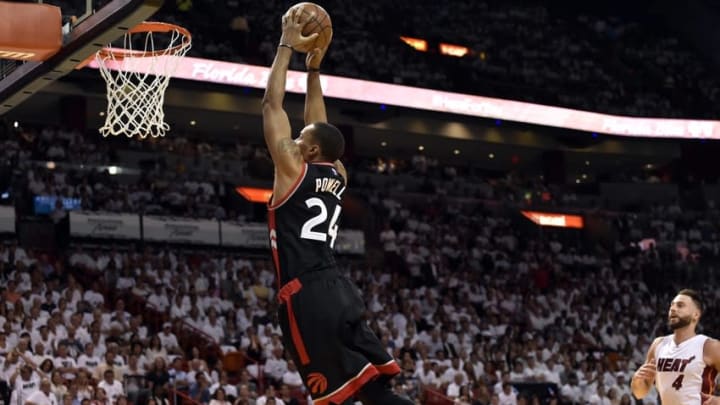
{"x":317,"y":20}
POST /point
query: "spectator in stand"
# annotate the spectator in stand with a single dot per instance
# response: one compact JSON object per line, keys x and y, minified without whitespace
{"x":158,"y":299}
{"x":178,"y":376}
{"x":453,"y":389}
{"x":292,"y":377}
{"x":88,"y":360}
{"x":507,"y":395}
{"x":134,"y":379}
{"x":276,"y":365}
{"x":245,"y":395}
{"x":213,"y":327}
{"x":24,"y":382}
{"x":168,"y":340}
{"x":46,"y":365}
{"x":64,"y":363}
{"x":451,"y":373}
{"x":142,"y":362}
{"x":286,"y":396}
{"x":119,"y":319}
{"x":158,"y":376}
{"x":100,"y":397}
{"x":112,"y":387}
{"x":155,"y":350}
{"x":42,"y":396}
{"x":83,"y":386}
{"x":71,"y":343}
{"x":59,"y":386}
{"x":200,"y":389}
{"x":218,"y":398}
{"x":270,"y":397}
{"x":228,"y":389}
{"x":107,"y":364}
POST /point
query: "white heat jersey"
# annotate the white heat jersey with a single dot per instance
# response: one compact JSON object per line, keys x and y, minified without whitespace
{"x":681,"y":371}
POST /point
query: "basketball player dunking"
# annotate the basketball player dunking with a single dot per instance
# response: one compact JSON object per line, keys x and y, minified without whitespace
{"x":682,"y":365}
{"x":321,"y":311}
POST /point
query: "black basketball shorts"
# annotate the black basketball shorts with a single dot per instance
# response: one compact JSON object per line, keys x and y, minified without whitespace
{"x":325,"y":332}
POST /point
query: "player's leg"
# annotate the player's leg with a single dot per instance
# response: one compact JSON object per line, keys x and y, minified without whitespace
{"x":378,"y":392}
{"x":359,"y":338}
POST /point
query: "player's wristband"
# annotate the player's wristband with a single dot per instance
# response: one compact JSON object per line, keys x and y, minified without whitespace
{"x":314,"y":70}
{"x":286,"y":46}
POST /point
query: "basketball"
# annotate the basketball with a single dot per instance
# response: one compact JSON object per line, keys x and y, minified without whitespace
{"x":320,"y":23}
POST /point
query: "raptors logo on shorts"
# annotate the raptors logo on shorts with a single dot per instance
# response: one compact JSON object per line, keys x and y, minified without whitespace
{"x":317,"y":383}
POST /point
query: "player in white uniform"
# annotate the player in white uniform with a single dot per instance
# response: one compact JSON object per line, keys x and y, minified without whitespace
{"x":682,"y":365}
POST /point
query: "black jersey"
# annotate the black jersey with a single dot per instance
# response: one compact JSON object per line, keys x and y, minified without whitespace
{"x":303,"y":224}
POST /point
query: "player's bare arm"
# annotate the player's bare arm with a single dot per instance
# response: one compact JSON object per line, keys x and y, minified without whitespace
{"x":314,"y":101}
{"x":276,"y":125}
{"x":644,"y":377}
{"x":711,"y":354}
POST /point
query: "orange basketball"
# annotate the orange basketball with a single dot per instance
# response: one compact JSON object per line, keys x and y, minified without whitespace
{"x":319,"y":23}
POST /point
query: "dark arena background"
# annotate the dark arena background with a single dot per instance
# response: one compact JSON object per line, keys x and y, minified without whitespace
{"x":530,"y":184}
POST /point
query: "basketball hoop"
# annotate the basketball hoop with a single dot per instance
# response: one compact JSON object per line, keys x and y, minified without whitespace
{"x":137,"y":78}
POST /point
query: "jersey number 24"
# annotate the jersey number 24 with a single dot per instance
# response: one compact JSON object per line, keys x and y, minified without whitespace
{"x":310,"y":227}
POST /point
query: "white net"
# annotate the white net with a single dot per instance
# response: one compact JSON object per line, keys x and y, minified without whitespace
{"x":137,"y":79}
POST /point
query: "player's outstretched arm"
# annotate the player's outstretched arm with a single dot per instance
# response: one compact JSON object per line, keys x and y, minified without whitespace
{"x":644,"y":377}
{"x":314,"y":101}
{"x":711,"y":354}
{"x":276,"y":125}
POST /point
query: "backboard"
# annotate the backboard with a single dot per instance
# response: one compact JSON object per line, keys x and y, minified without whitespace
{"x":86,"y":26}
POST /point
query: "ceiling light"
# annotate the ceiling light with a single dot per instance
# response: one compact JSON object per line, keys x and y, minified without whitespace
{"x":421,"y":148}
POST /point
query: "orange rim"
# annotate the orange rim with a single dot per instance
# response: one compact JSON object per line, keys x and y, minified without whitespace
{"x":147,"y":26}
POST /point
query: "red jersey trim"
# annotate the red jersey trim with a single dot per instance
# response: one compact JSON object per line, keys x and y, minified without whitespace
{"x":389,"y":368}
{"x":708,"y":380}
{"x":349,"y":389}
{"x":273,"y":205}
{"x":285,"y":296}
{"x":354,"y":384}
{"x":273,"y":244}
